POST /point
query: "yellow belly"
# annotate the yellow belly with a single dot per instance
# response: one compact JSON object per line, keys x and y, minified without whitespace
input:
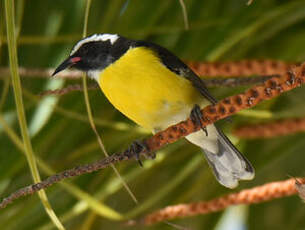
{"x":144,"y":90}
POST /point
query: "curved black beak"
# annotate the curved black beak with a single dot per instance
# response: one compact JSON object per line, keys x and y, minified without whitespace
{"x":66,"y":64}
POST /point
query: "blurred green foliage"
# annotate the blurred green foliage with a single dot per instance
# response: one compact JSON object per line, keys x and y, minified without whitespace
{"x":62,"y":137}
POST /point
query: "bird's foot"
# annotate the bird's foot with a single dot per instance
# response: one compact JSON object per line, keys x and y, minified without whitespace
{"x":196,"y":117}
{"x":150,"y":155}
{"x":136,"y":148}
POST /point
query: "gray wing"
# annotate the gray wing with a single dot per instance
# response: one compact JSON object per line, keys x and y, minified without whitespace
{"x":228,"y":164}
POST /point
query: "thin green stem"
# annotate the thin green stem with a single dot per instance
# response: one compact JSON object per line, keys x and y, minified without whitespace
{"x":4,"y":93}
{"x":10,"y":25}
{"x":19,"y":17}
{"x":184,"y":12}
{"x":89,"y":201}
{"x":165,"y":190}
{"x":89,"y":111}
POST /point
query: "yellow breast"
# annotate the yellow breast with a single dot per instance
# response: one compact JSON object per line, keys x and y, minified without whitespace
{"x":143,"y":89}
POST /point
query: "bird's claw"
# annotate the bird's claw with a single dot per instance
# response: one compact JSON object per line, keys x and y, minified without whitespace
{"x":135,"y":149}
{"x":196,"y":117}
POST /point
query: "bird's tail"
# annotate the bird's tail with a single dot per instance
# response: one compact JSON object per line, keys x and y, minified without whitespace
{"x":228,"y":164}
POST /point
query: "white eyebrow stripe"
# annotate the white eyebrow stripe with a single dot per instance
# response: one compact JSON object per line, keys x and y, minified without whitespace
{"x":95,"y":38}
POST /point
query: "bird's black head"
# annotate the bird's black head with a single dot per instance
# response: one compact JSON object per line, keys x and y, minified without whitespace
{"x":93,"y":53}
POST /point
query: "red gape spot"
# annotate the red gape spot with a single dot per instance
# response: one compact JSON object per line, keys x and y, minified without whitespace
{"x":75,"y":59}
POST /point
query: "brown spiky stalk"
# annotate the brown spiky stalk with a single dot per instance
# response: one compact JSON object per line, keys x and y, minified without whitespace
{"x":240,"y":68}
{"x":254,"y":195}
{"x":271,"y":129}
{"x":226,"y":107}
{"x":230,"y":105}
{"x":229,"y":69}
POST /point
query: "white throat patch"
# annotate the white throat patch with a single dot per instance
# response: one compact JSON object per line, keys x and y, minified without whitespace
{"x":95,"y":38}
{"x":94,"y":74}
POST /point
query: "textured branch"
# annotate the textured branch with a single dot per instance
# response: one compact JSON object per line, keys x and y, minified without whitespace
{"x":68,"y":89}
{"x":254,"y":195}
{"x":76,"y":171}
{"x":241,"y":68}
{"x":236,"y":81}
{"x":271,"y":129}
{"x":226,"y":107}
{"x":209,"y":82}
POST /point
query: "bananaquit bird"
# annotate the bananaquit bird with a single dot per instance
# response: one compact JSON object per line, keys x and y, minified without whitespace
{"x":155,"y":89}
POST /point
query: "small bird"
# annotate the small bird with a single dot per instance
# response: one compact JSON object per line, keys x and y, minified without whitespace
{"x":155,"y":89}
